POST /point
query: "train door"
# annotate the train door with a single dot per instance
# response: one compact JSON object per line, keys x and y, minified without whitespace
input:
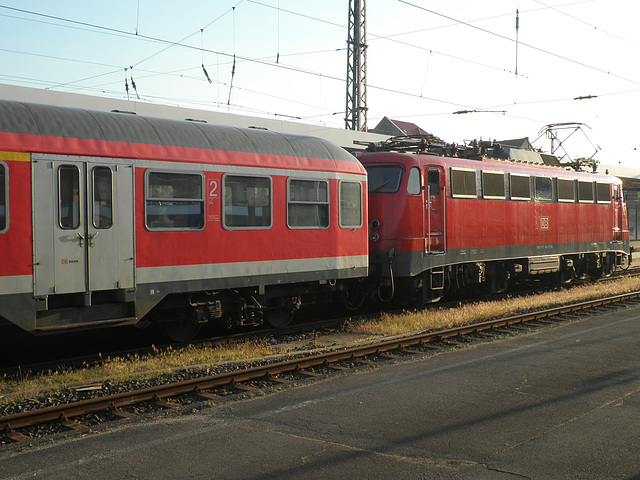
{"x":83,"y":226}
{"x":434,"y":202}
{"x":618,"y":211}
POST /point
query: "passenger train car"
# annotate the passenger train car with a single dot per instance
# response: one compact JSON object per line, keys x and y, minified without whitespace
{"x":113,"y":219}
{"x":440,"y":223}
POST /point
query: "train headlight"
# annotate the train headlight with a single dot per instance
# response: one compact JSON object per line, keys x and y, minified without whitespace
{"x":375,"y":224}
{"x":374,"y":237}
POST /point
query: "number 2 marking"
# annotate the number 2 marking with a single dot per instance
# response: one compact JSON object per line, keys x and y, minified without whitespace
{"x":213,"y":188}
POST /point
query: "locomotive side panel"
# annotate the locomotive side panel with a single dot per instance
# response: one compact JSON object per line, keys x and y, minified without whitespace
{"x":501,"y":220}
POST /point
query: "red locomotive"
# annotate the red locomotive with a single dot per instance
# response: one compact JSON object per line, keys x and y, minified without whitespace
{"x":439,"y":223}
{"x":112,"y":218}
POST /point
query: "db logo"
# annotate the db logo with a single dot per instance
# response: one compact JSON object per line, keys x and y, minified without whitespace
{"x":544,"y":223}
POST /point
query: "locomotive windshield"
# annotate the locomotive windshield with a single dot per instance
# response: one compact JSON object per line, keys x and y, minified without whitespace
{"x":384,"y":179}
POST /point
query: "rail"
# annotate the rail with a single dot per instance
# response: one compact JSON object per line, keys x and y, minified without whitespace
{"x":199,"y":386}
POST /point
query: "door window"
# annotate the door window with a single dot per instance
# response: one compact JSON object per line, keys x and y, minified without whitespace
{"x":102,"y":187}
{"x":69,"y":197}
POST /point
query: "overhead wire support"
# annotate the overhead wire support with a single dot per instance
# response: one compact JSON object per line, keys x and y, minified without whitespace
{"x":517,"y":39}
{"x":356,"y":107}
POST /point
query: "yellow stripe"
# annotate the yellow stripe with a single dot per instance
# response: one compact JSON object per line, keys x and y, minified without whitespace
{"x":15,"y":156}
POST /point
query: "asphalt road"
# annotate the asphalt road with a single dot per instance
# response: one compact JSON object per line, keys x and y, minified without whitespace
{"x":559,"y":403}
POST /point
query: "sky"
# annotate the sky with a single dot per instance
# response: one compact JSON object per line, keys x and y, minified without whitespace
{"x":570,"y":61}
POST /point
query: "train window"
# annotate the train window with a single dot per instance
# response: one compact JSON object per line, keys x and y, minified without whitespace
{"x":413,"y":184}
{"x":4,"y":213}
{"x":543,"y":189}
{"x":520,"y":187}
{"x":463,"y":183}
{"x":175,"y":201}
{"x":102,"y":187}
{"x":585,"y":192}
{"x":308,"y":204}
{"x":603,"y":191}
{"x":351,"y":204}
{"x":493,"y":185}
{"x":566,"y":190}
{"x":69,"y":197}
{"x":246,"y":202}
{"x":384,"y":179}
{"x":433,"y":182}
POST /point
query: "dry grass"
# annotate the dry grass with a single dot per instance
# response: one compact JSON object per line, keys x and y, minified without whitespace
{"x":132,"y":367}
{"x":435,"y":318}
{"x":159,"y":363}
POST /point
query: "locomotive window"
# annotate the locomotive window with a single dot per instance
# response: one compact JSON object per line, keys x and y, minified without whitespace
{"x":520,"y":187}
{"x":413,"y":184}
{"x":585,"y":192}
{"x":384,"y":179}
{"x":493,"y":185}
{"x":175,"y":201}
{"x":102,"y":187}
{"x":566,"y":190}
{"x":3,"y":197}
{"x":246,"y":202}
{"x":68,"y":197}
{"x":543,"y":189}
{"x":463,"y":183}
{"x":308,"y":205}
{"x":603,"y":190}
{"x":350,"y":204}
{"x":433,"y":182}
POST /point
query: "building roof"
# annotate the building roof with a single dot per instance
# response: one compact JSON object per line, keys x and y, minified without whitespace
{"x":396,"y":128}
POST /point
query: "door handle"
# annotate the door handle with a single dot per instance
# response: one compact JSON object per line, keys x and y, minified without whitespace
{"x":92,"y":237}
{"x":81,"y":237}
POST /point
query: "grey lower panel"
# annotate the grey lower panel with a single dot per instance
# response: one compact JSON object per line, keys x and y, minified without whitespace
{"x":245,"y":273}
{"x":408,"y":264}
{"x":148,"y":295}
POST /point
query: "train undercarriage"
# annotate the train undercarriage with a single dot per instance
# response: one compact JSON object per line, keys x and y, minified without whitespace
{"x":497,"y":276}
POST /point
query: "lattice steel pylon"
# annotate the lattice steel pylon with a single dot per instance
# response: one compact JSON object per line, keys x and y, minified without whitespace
{"x":356,"y":111}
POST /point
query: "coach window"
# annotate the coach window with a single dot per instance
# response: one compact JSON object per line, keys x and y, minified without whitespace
{"x":585,"y":192}
{"x":603,"y":191}
{"x":68,"y":197}
{"x":308,"y":204}
{"x":102,"y":186}
{"x":543,"y":189}
{"x":520,"y":187}
{"x":493,"y":185}
{"x":246,"y":202}
{"x":384,"y":178}
{"x":413,"y":184}
{"x":175,"y":201}
{"x":566,"y":190}
{"x":4,"y":177}
{"x":463,"y":183}
{"x":350,"y":204}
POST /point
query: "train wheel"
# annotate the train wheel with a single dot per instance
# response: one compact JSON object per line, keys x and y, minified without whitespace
{"x":279,"y":318}
{"x":499,"y":280}
{"x":185,"y":328}
{"x":181,"y":331}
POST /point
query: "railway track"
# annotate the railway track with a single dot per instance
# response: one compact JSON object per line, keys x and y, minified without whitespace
{"x":192,"y":392}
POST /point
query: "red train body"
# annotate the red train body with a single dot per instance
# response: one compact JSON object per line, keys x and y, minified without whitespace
{"x":114,"y":219}
{"x":440,"y":222}
{"x":110,"y":218}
